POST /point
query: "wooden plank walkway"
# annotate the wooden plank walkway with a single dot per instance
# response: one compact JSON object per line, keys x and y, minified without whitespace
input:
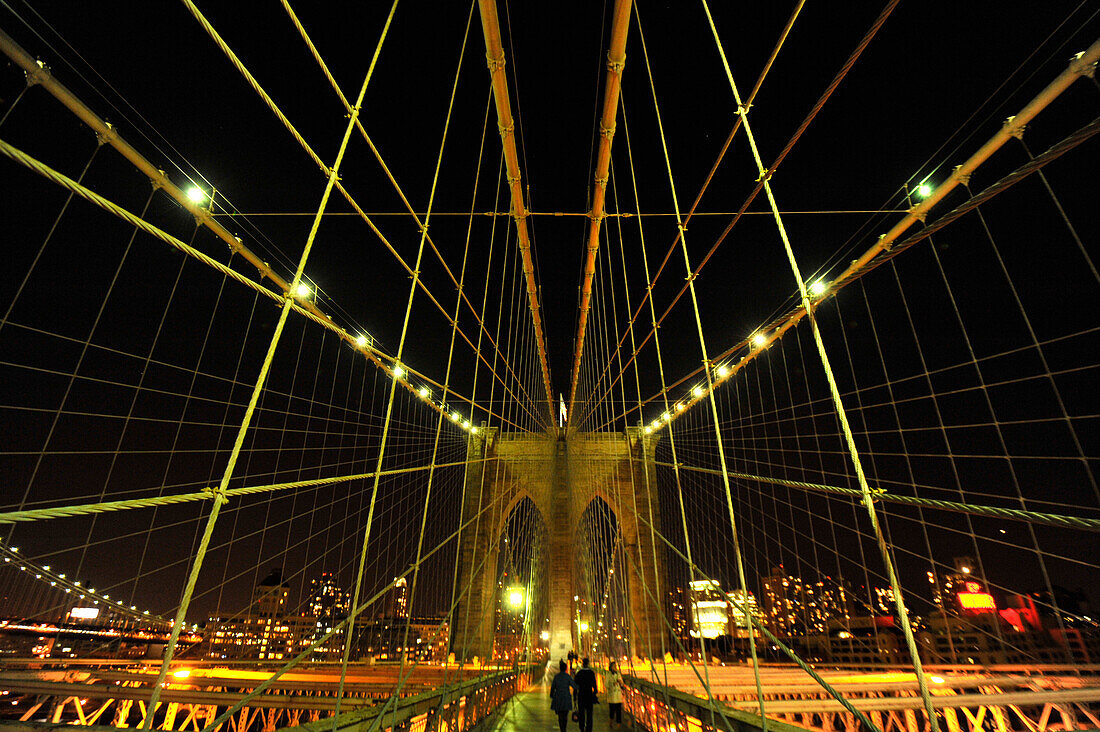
{"x":530,"y":710}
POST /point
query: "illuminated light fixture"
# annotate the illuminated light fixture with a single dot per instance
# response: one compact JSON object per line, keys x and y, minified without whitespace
{"x":15,"y":550}
{"x":924,"y":190}
{"x":303,"y":291}
{"x":455,"y":417}
{"x":466,"y":425}
{"x":722,"y":371}
{"x":424,"y":392}
{"x":46,"y":567}
{"x":698,"y":391}
{"x":361,"y":341}
{"x":183,"y":673}
{"x":515,"y":597}
{"x":964,"y":570}
{"x":666,"y":416}
{"x":196,"y":195}
{"x":679,"y":406}
{"x":545,"y":635}
{"x":398,"y":372}
{"x":648,"y":430}
{"x":759,"y":340}
{"x":817,"y":288}
{"x":584,"y":627}
{"x":473,"y":430}
{"x":936,"y":679}
{"x":656,"y":424}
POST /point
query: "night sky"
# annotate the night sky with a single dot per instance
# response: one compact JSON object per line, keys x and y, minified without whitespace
{"x":935,"y":83}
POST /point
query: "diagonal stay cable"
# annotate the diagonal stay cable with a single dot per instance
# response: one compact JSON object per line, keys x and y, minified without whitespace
{"x":400,"y":192}
{"x":239,"y":65}
{"x":769,"y":172}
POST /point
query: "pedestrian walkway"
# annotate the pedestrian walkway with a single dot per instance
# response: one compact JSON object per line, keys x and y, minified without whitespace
{"x":530,"y":710}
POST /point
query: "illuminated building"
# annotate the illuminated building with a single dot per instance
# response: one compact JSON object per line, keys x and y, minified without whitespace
{"x":739,"y":624}
{"x":396,"y":602}
{"x":962,"y":592}
{"x":677,"y":612}
{"x":328,"y":605}
{"x":709,"y":609}
{"x":269,"y":598}
{"x":794,"y":607}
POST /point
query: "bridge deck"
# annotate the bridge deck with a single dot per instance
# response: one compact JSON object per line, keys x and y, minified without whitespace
{"x":530,"y":710}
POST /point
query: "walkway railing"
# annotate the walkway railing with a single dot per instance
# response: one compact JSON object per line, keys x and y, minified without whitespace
{"x":1007,"y":702}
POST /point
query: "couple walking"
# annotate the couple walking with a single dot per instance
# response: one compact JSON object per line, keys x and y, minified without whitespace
{"x":583,"y":686}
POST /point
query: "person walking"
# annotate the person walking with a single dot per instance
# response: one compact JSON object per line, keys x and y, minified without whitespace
{"x":613,"y":682}
{"x":561,"y":695}
{"x":586,"y":695}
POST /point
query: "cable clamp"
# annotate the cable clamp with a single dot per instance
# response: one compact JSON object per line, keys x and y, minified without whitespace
{"x":1014,"y":129}
{"x":512,"y":181}
{"x":765,"y":175}
{"x":39,"y":75}
{"x":505,"y":131}
{"x":495,"y":64}
{"x":888,"y":246}
{"x":743,"y":109}
{"x":159,"y":181}
{"x":602,"y":182}
{"x":107,"y":135}
{"x":681,"y":227}
{"x":615,"y":67}
{"x":607,"y":132}
{"x":1076,"y":65}
{"x":215,"y":494}
{"x":597,"y":218}
{"x":424,"y":229}
{"x":919,"y":213}
{"x":963,"y":178}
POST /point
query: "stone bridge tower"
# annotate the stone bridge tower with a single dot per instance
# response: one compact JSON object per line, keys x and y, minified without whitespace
{"x":561,"y":475}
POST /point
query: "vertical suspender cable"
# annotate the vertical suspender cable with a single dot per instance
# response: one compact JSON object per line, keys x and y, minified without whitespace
{"x":868,"y":501}
{"x":710,"y":387}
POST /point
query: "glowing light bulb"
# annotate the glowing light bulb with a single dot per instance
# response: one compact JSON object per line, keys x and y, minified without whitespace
{"x":759,"y":340}
{"x":455,"y":417}
{"x":424,"y":392}
{"x":398,"y":372}
{"x":648,"y":429}
{"x":466,"y":425}
{"x":361,"y":341}
{"x":818,"y":288}
{"x":666,"y":416}
{"x":196,"y":195}
{"x":183,"y":673}
{"x":473,"y":430}
{"x":515,"y":598}
{"x":679,"y":406}
{"x":924,"y":190}
{"x":698,"y":391}
{"x":303,"y":291}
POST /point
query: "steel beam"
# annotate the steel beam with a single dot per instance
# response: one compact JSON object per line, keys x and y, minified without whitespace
{"x":494,"y":53}
{"x":616,"y":60}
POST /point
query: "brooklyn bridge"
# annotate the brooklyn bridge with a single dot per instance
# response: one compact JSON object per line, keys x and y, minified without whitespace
{"x":359,"y":364}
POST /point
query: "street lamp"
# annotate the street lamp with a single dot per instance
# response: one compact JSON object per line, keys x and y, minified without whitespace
{"x":515,"y":597}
